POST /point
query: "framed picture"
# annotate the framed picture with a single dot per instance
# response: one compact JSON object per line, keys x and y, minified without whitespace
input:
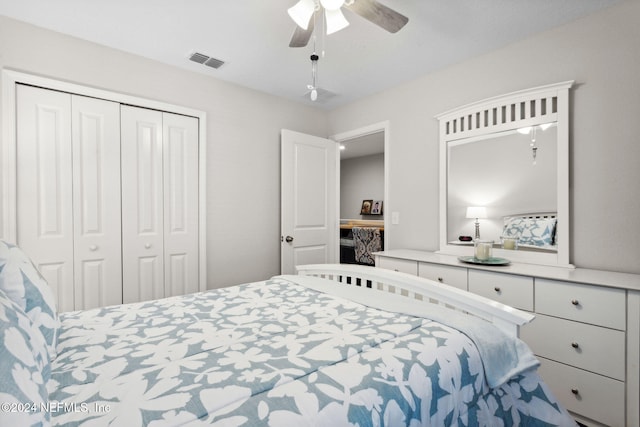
{"x":366,"y":207}
{"x":376,"y":207}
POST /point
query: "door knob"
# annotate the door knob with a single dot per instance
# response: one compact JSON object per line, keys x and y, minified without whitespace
{"x":147,"y":245}
{"x":93,"y":248}
{"x":288,"y":239}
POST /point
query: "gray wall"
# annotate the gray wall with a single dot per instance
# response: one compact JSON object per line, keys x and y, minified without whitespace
{"x":602,"y":54}
{"x":243,"y":138}
{"x":361,"y":178}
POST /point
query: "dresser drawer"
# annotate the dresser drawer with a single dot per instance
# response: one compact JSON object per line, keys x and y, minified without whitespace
{"x":585,"y":303}
{"x":590,"y":395}
{"x":396,"y":264}
{"x":516,"y":291}
{"x":597,"y":349}
{"x":453,"y":276}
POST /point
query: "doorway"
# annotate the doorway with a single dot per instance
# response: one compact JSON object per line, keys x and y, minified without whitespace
{"x":363,"y":178}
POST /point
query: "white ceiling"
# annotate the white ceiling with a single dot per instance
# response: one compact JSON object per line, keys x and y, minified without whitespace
{"x":252,"y":37}
{"x":366,"y":145}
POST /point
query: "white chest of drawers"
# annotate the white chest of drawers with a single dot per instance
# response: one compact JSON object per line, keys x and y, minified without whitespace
{"x":452,"y":276}
{"x":510,"y":289}
{"x":586,"y":333}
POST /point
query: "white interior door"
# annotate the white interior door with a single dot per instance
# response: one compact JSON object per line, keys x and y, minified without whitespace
{"x":309,"y":191}
{"x":180,"y":152}
{"x":142,"y":204}
{"x":44,"y":195}
{"x":96,"y":202}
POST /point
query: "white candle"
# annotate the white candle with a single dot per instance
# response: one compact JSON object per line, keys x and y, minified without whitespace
{"x":509,"y":243}
{"x":483,"y":250}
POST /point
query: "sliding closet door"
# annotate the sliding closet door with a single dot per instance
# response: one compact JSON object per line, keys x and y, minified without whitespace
{"x":96,"y":202}
{"x":180,"y":152}
{"x":142,"y":204}
{"x":44,"y":186}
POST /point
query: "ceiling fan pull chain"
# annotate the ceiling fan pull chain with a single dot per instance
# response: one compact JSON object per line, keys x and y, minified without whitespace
{"x":314,"y":75}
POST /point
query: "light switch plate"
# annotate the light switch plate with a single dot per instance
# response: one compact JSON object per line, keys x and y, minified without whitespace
{"x":395,"y":218}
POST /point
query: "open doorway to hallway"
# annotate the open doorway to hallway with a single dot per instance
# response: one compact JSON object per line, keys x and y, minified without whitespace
{"x":363,"y":193}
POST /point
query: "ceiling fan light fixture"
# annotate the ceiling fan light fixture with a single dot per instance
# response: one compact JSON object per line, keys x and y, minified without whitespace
{"x":301,"y":12}
{"x":332,"y":4}
{"x":525,"y":130}
{"x":335,"y":21}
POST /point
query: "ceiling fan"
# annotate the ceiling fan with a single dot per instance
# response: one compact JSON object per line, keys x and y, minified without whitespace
{"x":303,"y":14}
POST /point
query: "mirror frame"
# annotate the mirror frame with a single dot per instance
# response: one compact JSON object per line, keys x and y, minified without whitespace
{"x":512,"y":111}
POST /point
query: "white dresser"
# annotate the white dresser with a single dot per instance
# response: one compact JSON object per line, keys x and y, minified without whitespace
{"x":586,"y":332}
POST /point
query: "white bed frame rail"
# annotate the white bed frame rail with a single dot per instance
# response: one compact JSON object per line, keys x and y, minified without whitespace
{"x":507,"y":318}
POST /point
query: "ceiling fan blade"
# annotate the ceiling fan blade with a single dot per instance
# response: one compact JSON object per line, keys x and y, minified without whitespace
{"x":301,"y":37}
{"x":379,"y":14}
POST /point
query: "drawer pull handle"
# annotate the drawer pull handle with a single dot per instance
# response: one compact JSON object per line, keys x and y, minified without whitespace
{"x":575,"y":345}
{"x":497,"y":289}
{"x":575,"y":391}
{"x":440,"y":279}
{"x":575,"y":302}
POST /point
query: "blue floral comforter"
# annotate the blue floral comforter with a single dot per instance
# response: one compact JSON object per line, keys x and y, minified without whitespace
{"x":279,"y":354}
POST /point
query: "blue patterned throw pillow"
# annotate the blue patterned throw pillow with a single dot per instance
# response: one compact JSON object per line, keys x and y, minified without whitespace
{"x":24,"y":370}
{"x":24,"y":285}
{"x":531,"y":231}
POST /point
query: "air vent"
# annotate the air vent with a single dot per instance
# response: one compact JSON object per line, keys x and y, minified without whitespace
{"x":199,"y":58}
{"x":214,"y":63}
{"x":206,"y":60}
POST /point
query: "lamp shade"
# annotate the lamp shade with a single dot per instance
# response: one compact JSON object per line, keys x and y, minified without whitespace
{"x":335,"y":20}
{"x":301,"y":12}
{"x":332,"y":4}
{"x":476,"y":212}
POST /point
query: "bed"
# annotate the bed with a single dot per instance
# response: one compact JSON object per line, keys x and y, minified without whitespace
{"x":338,"y":345}
{"x":534,"y":231}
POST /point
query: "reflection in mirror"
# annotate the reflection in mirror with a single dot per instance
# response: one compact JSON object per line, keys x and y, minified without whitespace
{"x":509,"y":173}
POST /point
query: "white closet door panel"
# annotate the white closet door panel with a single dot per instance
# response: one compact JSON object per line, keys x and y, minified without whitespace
{"x":180,"y":204}
{"x":92,"y":285}
{"x":44,"y":186}
{"x":142,"y":204}
{"x":150,"y":279}
{"x":96,"y":195}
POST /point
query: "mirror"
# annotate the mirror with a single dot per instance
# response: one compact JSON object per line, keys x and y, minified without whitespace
{"x":501,"y":174}
{"x":508,"y":155}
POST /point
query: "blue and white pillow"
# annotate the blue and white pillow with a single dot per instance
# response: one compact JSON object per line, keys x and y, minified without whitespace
{"x":531,"y":231}
{"x":24,"y":285}
{"x":24,"y":368}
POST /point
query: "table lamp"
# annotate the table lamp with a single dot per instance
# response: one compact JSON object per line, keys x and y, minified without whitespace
{"x":477,"y":212}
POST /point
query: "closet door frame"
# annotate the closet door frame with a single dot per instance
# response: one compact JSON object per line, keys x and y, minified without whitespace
{"x":8,"y":149}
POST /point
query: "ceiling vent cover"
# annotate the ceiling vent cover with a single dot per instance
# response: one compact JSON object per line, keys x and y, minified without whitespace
{"x":214,"y":63}
{"x":206,"y":60}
